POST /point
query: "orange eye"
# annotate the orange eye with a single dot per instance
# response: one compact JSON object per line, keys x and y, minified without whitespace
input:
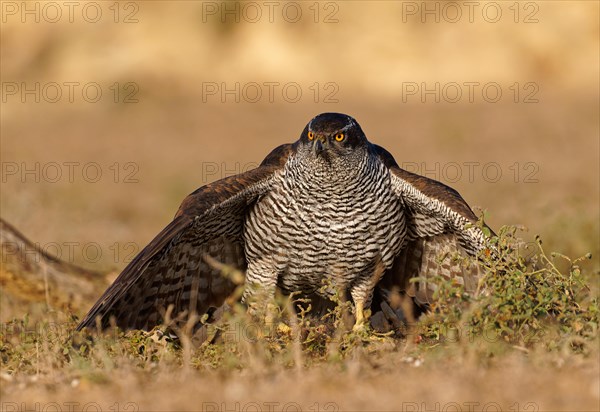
{"x":339,"y":137}
{"x":311,"y":135}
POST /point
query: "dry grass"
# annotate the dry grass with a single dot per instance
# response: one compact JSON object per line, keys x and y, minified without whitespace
{"x":535,"y":323}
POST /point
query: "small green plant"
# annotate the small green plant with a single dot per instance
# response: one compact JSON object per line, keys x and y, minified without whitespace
{"x":524,"y":299}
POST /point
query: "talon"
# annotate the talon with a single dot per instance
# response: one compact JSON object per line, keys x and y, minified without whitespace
{"x":359,"y":327}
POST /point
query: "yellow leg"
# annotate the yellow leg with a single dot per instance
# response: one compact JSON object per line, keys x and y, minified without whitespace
{"x":271,"y":314}
{"x":360,"y":316}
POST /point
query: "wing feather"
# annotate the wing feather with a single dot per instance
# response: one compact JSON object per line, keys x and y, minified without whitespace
{"x":171,"y":270}
{"x":441,"y":228}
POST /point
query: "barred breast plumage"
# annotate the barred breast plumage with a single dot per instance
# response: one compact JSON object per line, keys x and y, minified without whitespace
{"x":325,"y":221}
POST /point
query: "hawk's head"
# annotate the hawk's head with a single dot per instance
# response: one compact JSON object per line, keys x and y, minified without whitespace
{"x":333,"y":135}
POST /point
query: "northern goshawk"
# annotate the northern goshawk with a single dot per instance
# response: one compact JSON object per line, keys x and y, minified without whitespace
{"x":331,"y":207}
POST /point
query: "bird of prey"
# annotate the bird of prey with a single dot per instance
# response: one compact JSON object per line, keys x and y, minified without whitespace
{"x":331,"y":207}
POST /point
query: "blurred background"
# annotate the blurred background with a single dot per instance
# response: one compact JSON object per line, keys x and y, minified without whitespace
{"x":113,"y":112}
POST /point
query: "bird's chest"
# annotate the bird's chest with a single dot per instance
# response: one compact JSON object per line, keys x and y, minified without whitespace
{"x":312,"y":232}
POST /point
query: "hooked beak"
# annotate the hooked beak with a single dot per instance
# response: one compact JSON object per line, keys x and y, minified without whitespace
{"x":319,"y":145}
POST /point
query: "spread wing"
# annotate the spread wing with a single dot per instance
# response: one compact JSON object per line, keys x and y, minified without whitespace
{"x":172,"y":271}
{"x":441,"y":228}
